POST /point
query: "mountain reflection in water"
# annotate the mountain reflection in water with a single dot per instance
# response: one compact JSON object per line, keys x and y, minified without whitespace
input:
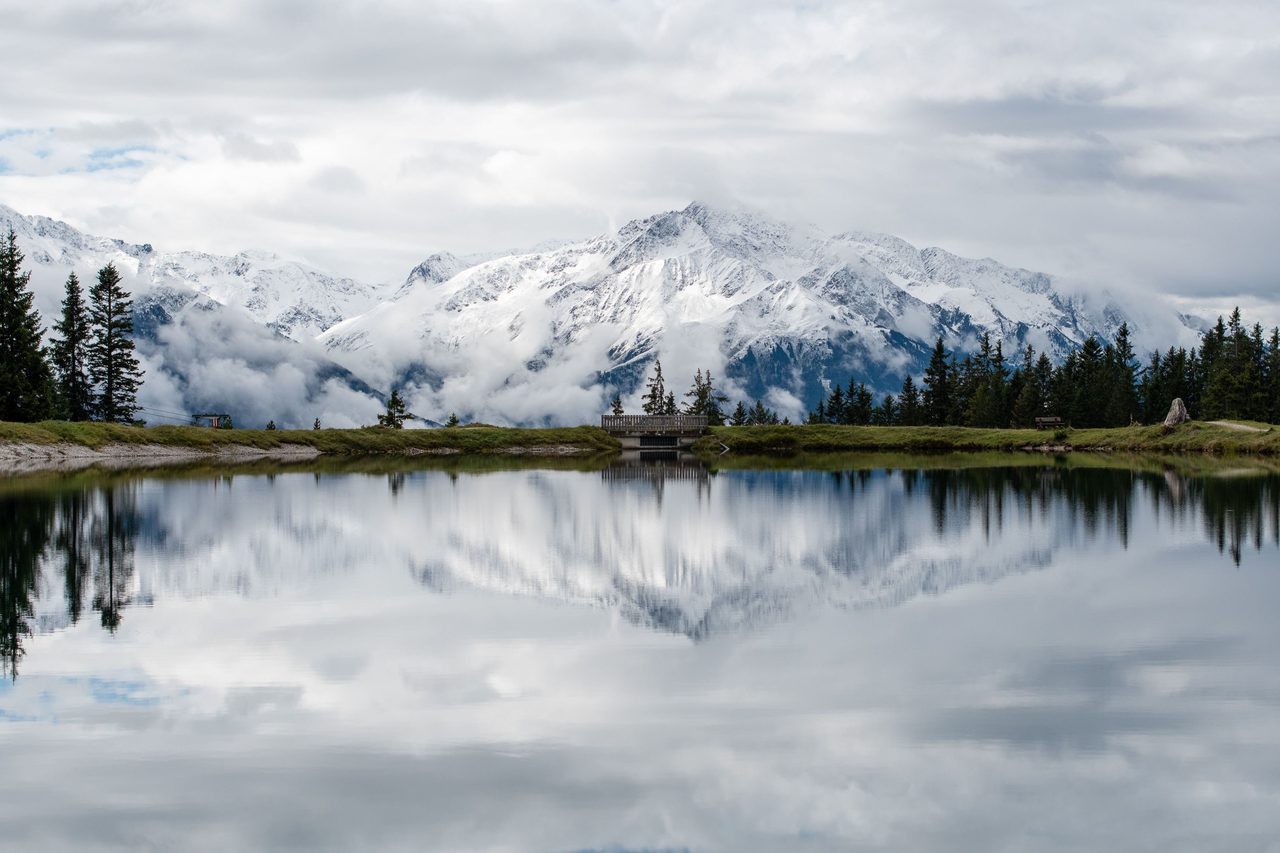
{"x":665,"y":542}
{"x":551,"y":656}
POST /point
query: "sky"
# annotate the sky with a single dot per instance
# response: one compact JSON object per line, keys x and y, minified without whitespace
{"x":1134,"y":144}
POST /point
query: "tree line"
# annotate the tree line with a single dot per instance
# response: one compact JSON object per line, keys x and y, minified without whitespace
{"x":88,"y":371}
{"x":1234,"y":373}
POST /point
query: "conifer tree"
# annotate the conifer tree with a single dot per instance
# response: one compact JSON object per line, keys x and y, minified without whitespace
{"x":909,"y":407}
{"x":1273,"y":376}
{"x":615,"y":406}
{"x":316,"y":424}
{"x":271,"y":425}
{"x":740,"y":416}
{"x":396,"y":413}
{"x":938,"y":399}
{"x":113,"y":367}
{"x":69,"y":352}
{"x":860,"y":404}
{"x":669,"y":406}
{"x":26,"y":384}
{"x":886,"y":414}
{"x":836,"y":409}
{"x":655,"y":396}
{"x":452,"y":421}
{"x":705,"y":400}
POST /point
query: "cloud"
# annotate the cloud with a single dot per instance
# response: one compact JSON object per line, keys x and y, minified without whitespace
{"x":1129,"y":143}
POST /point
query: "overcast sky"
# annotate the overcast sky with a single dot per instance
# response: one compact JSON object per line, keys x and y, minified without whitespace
{"x":1136,"y":143}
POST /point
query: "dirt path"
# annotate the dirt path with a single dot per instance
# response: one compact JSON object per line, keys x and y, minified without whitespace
{"x":1239,"y":427}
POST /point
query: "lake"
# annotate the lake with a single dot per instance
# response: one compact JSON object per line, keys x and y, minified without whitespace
{"x":998,"y":653}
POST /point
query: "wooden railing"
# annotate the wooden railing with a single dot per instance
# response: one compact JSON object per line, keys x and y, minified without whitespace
{"x":654,"y":424}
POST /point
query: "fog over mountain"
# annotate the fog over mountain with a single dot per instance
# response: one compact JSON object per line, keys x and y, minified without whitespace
{"x":777,"y":310}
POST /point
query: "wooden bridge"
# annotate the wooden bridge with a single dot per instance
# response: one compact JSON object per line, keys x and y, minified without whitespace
{"x":654,"y":431}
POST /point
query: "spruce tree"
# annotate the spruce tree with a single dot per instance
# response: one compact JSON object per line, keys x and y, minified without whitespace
{"x":615,"y":406}
{"x":655,"y":396}
{"x":910,"y":412}
{"x":315,"y":424}
{"x":836,"y":409}
{"x":26,"y":384}
{"x":452,"y":421}
{"x":396,"y":413}
{"x":1273,"y":376}
{"x":705,"y":400}
{"x":271,"y":426}
{"x":938,"y":398}
{"x":669,"y":406}
{"x":113,"y":367}
{"x":740,"y":416}
{"x":69,"y":350}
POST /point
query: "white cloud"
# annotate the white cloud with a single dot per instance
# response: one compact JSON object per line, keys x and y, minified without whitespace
{"x":1130,"y":142}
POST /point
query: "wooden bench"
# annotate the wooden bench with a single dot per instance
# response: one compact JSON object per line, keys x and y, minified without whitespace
{"x":1048,"y":423}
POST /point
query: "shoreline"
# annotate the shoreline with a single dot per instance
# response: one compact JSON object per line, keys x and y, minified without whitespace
{"x":62,"y":446}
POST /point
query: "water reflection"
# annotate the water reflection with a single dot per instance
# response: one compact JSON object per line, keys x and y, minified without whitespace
{"x":926,"y":657}
{"x":664,"y":541}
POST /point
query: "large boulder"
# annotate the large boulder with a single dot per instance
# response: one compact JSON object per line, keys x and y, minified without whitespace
{"x":1177,"y":413}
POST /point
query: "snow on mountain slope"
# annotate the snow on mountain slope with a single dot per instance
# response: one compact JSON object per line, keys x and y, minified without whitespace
{"x":298,"y":301}
{"x":210,"y":329}
{"x":778,"y":311}
{"x":775,"y":310}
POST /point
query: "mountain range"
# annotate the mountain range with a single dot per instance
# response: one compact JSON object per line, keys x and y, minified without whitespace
{"x":776,"y":310}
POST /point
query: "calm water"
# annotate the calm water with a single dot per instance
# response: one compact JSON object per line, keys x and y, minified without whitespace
{"x":1021,"y":658}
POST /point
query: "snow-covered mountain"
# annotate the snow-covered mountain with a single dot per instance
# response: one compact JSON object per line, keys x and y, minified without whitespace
{"x":775,"y":310}
{"x":778,"y":311}
{"x":222,"y":333}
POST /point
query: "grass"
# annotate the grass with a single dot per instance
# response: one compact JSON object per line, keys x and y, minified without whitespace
{"x":584,"y":440}
{"x":1190,"y":437}
{"x":762,"y":441}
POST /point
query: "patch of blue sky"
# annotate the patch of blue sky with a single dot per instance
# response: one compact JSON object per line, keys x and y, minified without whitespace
{"x":107,"y":691}
{"x":119,"y":157}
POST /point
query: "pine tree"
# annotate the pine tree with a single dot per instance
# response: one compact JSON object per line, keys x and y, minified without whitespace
{"x":1273,"y":376}
{"x":836,"y":410}
{"x":938,"y":398}
{"x":886,"y":414}
{"x":396,"y":413}
{"x":654,"y":400}
{"x":861,"y":404}
{"x":760,"y":415}
{"x":705,"y":400}
{"x":910,"y":412}
{"x":316,"y":424}
{"x":113,"y":367}
{"x":271,"y":425}
{"x":26,"y":384}
{"x":69,"y":353}
{"x":452,"y":421}
{"x":615,"y":406}
{"x":669,"y":406}
{"x":740,"y":416}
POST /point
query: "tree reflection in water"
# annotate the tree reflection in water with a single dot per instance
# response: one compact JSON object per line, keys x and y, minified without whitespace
{"x":85,"y":538}
{"x":88,"y":537}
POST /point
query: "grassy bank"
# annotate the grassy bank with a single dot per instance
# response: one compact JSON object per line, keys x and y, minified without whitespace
{"x":584,"y":440}
{"x":774,"y":441}
{"x":1193,"y":437}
